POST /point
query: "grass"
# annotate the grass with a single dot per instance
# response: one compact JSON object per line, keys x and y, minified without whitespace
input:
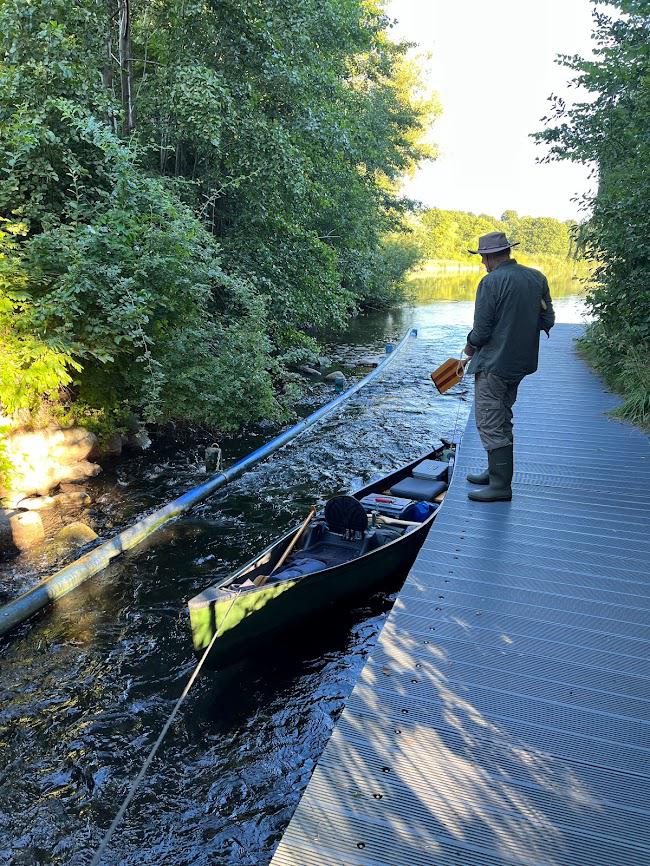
{"x":627,"y":374}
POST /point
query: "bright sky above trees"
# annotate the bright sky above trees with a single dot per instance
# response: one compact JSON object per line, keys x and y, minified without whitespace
{"x":493,"y":67}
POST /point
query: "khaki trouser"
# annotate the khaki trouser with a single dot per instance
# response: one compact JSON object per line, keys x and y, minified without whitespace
{"x":494,"y":398}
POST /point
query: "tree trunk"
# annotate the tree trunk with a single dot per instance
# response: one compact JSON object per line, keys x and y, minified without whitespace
{"x":126,"y":74}
{"x":107,"y":76}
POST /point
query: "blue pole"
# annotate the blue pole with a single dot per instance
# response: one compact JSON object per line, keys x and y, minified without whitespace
{"x":68,"y":578}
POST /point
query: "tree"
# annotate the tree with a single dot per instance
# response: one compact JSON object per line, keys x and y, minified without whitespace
{"x":201,"y":179}
{"x":612,"y":133}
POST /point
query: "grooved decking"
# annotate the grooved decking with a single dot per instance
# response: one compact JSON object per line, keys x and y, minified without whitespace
{"x":504,"y":716}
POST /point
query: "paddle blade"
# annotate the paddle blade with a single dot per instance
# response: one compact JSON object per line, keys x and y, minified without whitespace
{"x":449,"y":374}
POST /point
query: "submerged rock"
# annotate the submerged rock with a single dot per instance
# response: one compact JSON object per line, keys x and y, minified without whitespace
{"x":309,"y":371}
{"x":70,"y":487}
{"x":139,"y":441}
{"x":74,"y":535}
{"x":7,"y":545}
{"x":80,"y":471}
{"x":332,"y":377}
{"x":112,"y":447}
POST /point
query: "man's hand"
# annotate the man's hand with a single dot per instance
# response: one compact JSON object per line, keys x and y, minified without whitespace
{"x":469,"y":350}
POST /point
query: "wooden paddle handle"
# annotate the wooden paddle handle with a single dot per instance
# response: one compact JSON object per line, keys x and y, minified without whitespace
{"x":395,"y":521}
{"x":261,"y":579}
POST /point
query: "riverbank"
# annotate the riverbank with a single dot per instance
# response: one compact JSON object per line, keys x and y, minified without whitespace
{"x":44,"y":464}
{"x":557,"y":268}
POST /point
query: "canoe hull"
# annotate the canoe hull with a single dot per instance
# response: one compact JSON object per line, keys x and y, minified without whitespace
{"x":243,"y":616}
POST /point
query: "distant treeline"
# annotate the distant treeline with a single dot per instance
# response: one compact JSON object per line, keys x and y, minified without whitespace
{"x":448,"y":234}
{"x":189,"y":192}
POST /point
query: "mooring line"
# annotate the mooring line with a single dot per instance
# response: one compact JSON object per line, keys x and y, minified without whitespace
{"x":136,"y":784}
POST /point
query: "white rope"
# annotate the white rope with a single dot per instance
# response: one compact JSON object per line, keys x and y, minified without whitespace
{"x":136,"y":784}
{"x":460,"y":370}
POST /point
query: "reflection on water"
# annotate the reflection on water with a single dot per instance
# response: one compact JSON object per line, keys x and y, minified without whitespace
{"x":427,"y":290}
{"x":86,"y":687}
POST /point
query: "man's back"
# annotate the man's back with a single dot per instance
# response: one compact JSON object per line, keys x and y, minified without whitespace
{"x":513,"y":304}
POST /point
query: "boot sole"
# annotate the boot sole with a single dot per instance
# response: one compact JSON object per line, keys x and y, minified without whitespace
{"x":478,"y":498}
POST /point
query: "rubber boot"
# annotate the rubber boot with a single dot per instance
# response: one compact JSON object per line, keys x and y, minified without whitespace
{"x":480,"y":478}
{"x":500,"y":469}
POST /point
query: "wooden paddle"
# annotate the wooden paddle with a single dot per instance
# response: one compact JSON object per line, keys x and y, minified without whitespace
{"x":261,"y":579}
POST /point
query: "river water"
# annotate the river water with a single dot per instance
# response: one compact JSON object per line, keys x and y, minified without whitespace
{"x":86,"y":687}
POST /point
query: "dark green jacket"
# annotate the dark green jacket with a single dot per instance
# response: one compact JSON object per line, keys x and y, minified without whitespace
{"x":508,"y":316}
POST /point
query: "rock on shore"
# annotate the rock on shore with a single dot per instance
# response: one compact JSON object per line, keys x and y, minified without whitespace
{"x":26,"y":529}
{"x":42,"y":459}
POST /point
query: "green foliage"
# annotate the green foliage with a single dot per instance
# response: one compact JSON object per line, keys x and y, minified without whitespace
{"x":612,"y":132}
{"x":319,"y":115}
{"x":172,"y":272}
{"x":6,"y":466}
{"x":538,"y":236}
{"x":397,"y":255}
{"x":32,"y":365}
{"x":52,"y":110}
{"x":104,"y":422}
{"x":140,"y":296}
{"x":630,"y":375}
{"x":239,"y":366}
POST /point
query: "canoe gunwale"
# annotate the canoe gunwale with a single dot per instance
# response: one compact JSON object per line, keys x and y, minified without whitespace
{"x":222,"y":591}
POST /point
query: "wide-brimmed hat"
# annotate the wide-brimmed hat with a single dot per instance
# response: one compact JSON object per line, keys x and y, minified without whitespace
{"x":493,"y":242}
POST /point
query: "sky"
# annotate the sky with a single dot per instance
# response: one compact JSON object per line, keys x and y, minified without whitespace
{"x":492,"y":65}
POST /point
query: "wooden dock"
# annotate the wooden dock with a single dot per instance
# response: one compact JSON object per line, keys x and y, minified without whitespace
{"x":504,"y":716}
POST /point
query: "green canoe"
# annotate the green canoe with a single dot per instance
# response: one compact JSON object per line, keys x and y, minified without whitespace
{"x":340,"y":562}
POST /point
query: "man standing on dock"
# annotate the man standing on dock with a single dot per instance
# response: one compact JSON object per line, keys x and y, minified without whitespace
{"x":513,"y":304}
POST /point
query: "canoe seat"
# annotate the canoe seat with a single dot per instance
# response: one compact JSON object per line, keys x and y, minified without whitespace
{"x":334,"y":547}
{"x":432,"y":470}
{"x":346,"y":514}
{"x":336,"y":539}
{"x":420,"y":489}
